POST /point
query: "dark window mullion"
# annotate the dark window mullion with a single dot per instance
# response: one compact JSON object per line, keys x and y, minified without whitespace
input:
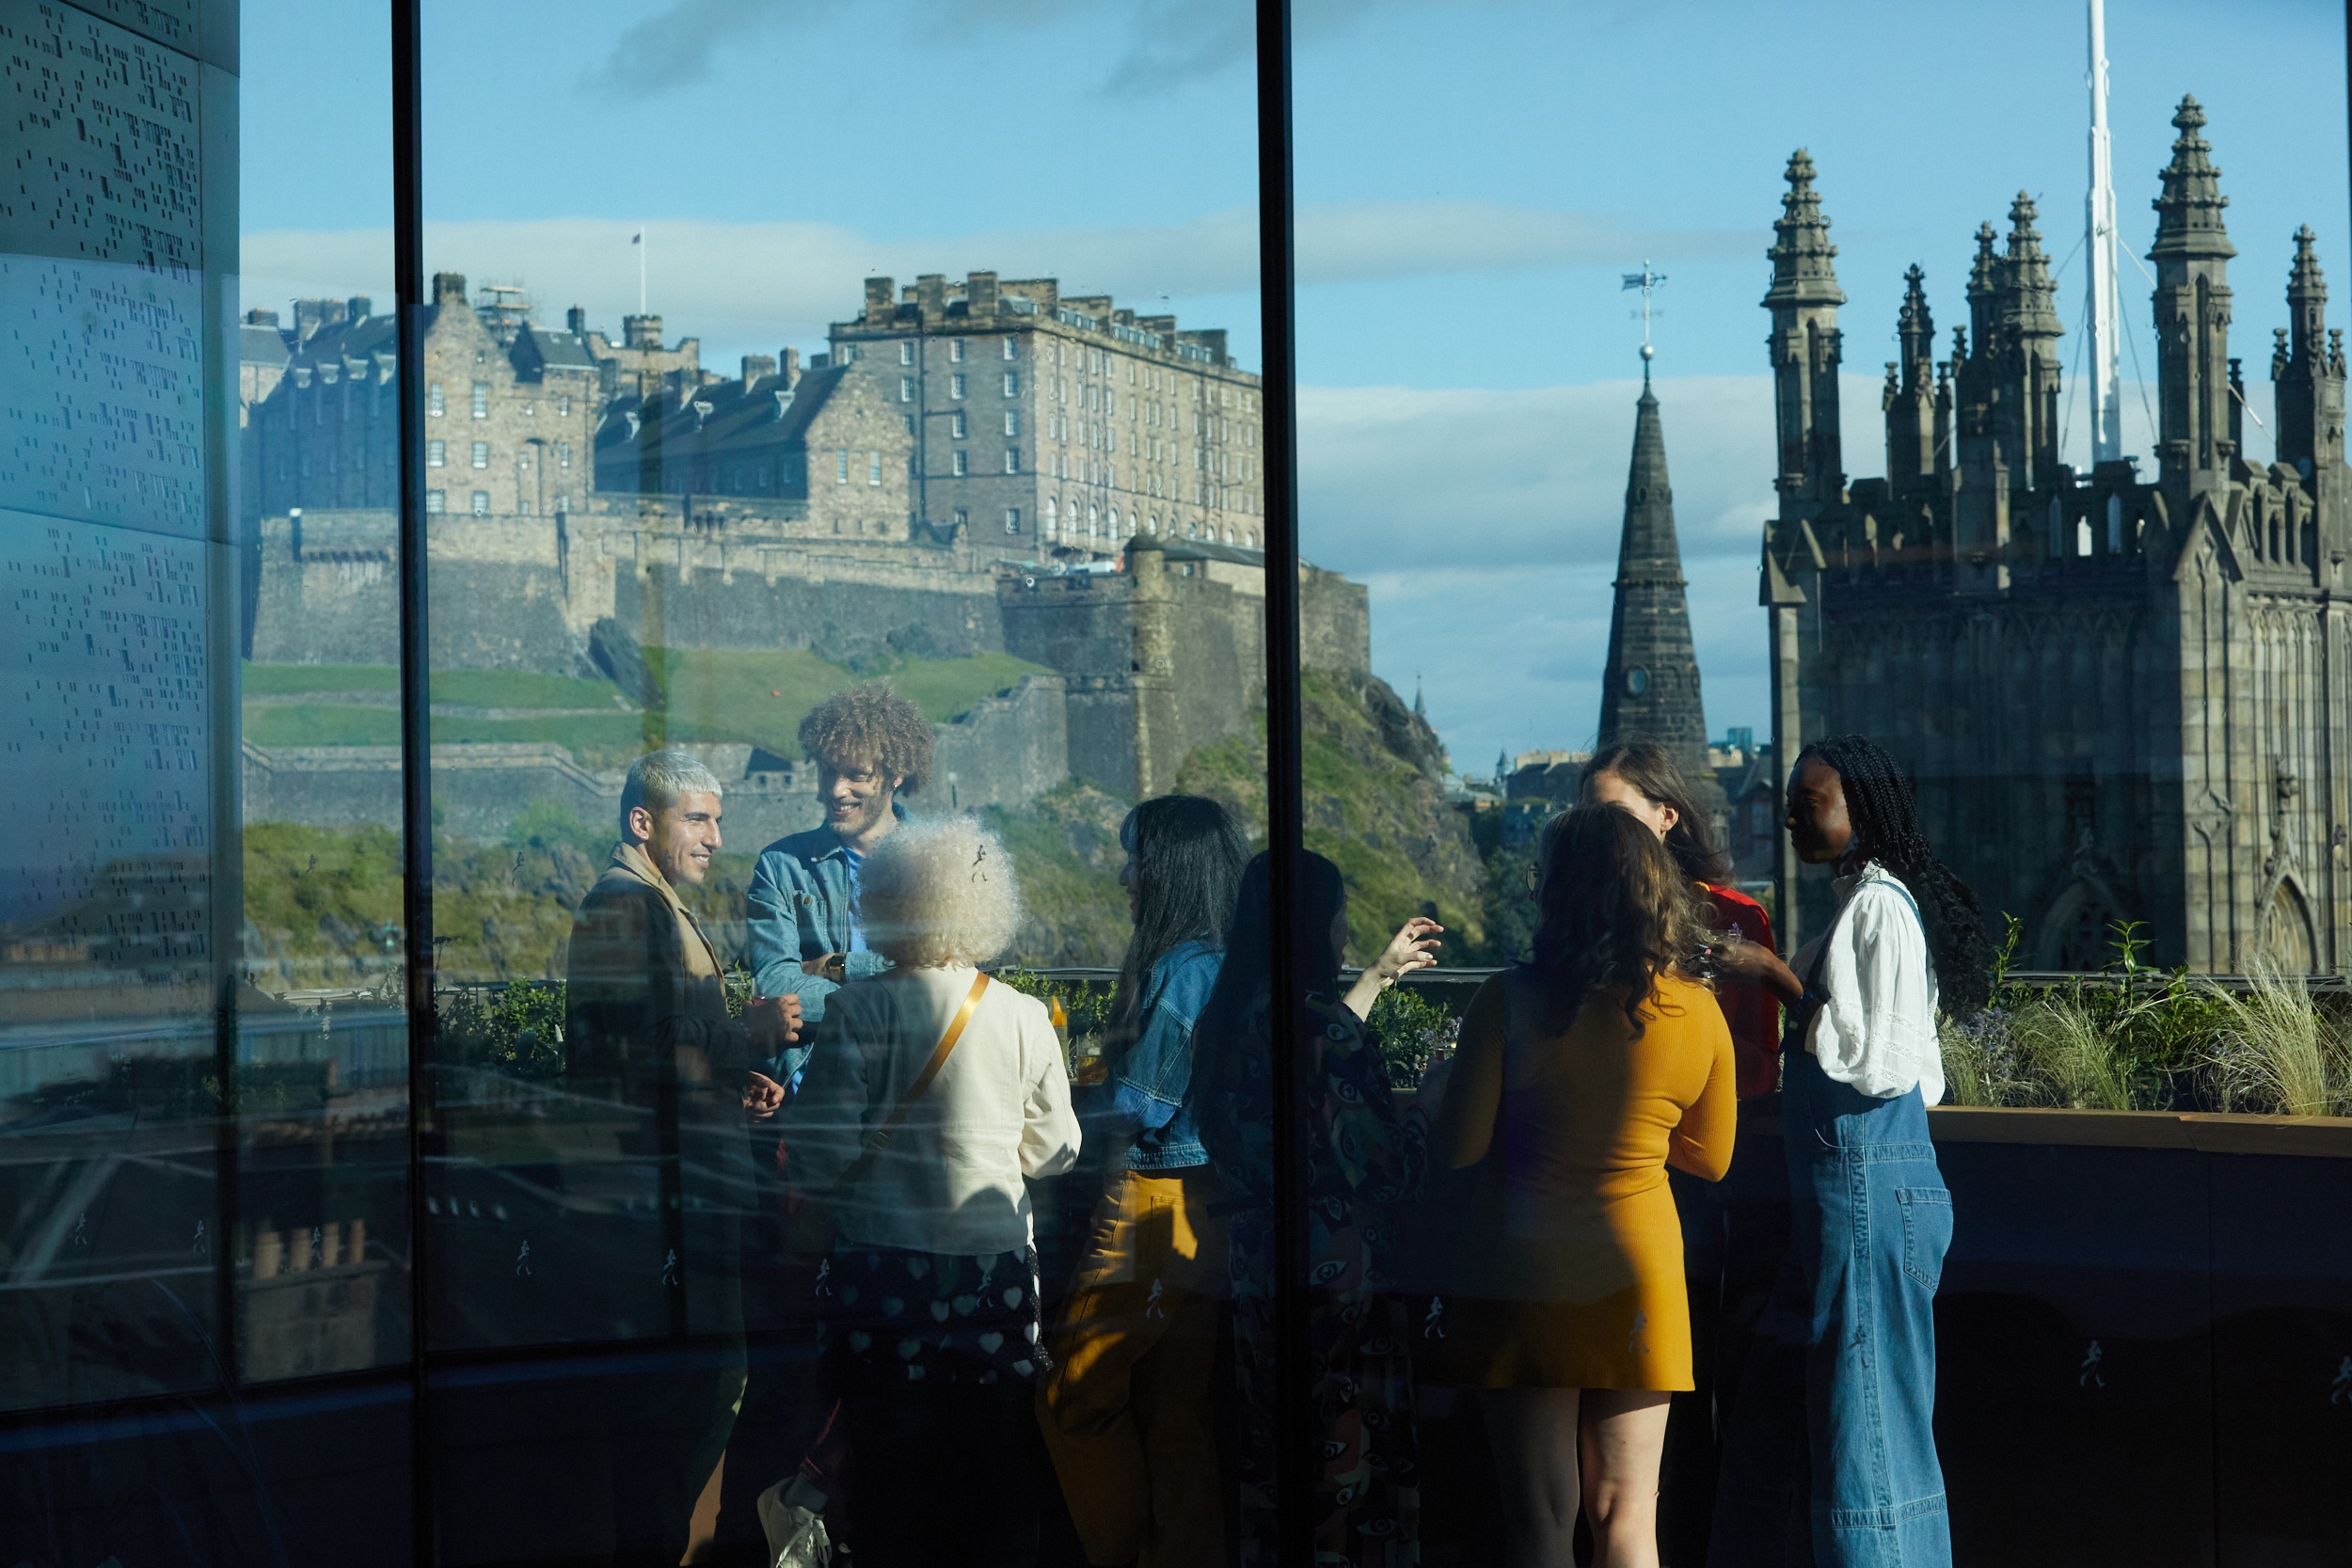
{"x":1293,"y":1415}
{"x":407,"y":25}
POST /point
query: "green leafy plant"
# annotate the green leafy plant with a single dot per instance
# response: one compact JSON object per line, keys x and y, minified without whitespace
{"x":1412,"y":1028}
{"x":1086,"y":1002}
{"x":516,"y":1028}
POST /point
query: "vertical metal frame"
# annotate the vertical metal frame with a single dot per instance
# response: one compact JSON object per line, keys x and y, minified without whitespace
{"x":416,"y":770}
{"x":1293,"y":1415}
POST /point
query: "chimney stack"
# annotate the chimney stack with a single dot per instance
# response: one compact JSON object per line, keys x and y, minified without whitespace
{"x":877,"y":300}
{"x":757,"y":368}
{"x":789,"y":367}
{"x":449,"y":288}
{"x":576,"y":320}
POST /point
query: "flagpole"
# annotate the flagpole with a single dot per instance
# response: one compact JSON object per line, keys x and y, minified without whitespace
{"x":641,"y":272}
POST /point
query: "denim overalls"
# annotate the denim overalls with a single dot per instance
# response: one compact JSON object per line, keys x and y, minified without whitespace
{"x":1830,"y":1459}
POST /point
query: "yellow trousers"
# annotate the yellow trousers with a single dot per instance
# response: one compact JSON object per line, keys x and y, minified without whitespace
{"x":1125,"y":1410}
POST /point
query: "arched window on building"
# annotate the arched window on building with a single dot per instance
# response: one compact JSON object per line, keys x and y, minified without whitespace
{"x":2078,"y":935}
{"x":2288,"y":941}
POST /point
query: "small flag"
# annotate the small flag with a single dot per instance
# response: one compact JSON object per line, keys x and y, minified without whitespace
{"x":638,"y":238}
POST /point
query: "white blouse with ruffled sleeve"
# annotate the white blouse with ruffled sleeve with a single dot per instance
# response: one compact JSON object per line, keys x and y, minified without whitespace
{"x":1875,"y":1032}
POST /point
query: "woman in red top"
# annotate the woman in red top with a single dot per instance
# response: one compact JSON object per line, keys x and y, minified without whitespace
{"x":1640,"y":776}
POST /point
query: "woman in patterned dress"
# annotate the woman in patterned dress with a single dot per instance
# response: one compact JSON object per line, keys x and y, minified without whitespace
{"x":929,"y":1298}
{"x":1362,"y":1161}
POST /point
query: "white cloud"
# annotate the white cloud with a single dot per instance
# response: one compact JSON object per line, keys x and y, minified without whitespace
{"x":1486,"y":522}
{"x":752,"y":285}
{"x":1168,"y":42}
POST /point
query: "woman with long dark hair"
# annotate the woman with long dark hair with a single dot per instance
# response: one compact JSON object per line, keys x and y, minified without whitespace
{"x":1583,"y":1073}
{"x":1836,"y":1414}
{"x":1642,"y":777}
{"x":1125,"y":1411}
{"x":1360,"y":1161}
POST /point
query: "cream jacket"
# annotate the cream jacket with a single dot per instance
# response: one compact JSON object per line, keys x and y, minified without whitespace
{"x":950,"y":1180}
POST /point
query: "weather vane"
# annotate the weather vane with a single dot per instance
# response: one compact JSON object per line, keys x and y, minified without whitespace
{"x":1646,"y":281}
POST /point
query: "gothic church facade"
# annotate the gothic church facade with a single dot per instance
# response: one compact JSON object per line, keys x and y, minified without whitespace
{"x":2124,"y":696}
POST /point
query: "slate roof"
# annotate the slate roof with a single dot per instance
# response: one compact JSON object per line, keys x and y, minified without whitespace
{"x":261,"y":345}
{"x":740,"y":420}
{"x":556,"y":350}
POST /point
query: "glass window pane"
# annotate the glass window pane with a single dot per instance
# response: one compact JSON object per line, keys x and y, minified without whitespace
{"x":1890,"y":536}
{"x":793,"y":562}
{"x":204,"y":1117}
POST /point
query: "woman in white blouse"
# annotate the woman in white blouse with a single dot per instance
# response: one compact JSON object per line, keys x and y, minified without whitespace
{"x":1836,"y":1404}
{"x":929,"y":1298}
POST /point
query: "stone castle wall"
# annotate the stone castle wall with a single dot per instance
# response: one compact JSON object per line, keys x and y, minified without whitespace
{"x":522,"y":592}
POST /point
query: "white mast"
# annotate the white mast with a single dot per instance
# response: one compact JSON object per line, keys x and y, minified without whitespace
{"x":2106,"y":366}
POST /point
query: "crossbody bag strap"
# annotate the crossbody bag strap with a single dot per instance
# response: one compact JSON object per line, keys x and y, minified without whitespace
{"x":879,"y":1138}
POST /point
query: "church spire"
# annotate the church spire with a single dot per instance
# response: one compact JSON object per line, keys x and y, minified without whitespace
{"x":2029,"y":330}
{"x":2192,"y":310}
{"x":2188,"y":208}
{"x":2309,"y":370}
{"x":1807,"y":347}
{"x":1650,"y":685}
{"x":1910,"y":399}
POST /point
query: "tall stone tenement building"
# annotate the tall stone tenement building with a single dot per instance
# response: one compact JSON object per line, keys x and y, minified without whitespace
{"x":2123,"y":698}
{"x":1650,"y":689}
{"x":1044,"y":419}
{"x":510,"y":409}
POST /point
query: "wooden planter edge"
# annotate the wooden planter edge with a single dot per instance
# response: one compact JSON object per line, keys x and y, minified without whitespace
{"x":2208,"y":1132}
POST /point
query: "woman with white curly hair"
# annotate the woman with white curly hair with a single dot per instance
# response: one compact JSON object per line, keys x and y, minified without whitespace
{"x":930,"y":1093}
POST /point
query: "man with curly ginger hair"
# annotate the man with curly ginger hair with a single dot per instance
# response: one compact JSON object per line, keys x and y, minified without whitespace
{"x":870,"y":746}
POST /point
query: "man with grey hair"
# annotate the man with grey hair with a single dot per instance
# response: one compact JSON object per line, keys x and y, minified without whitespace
{"x":647,"y":1028}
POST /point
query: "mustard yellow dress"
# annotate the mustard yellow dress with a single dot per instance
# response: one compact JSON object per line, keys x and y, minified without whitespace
{"x":1569,"y":1272}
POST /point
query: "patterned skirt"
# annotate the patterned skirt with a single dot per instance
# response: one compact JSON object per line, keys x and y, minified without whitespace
{"x":936,"y":1318}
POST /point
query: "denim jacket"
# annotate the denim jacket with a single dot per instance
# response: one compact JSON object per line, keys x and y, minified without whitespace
{"x":799,"y":909}
{"x":1145,"y":1097}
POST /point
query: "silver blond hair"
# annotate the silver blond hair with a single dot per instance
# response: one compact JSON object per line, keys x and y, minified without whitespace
{"x":657,"y":779}
{"x":937,"y":891}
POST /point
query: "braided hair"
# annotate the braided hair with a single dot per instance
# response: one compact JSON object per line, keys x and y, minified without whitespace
{"x":1885,"y":818}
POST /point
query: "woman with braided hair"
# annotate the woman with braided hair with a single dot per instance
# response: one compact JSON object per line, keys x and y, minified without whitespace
{"x":1832,"y":1441}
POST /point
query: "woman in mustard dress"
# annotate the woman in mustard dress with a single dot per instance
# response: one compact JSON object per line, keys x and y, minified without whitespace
{"x":1583,"y":1075}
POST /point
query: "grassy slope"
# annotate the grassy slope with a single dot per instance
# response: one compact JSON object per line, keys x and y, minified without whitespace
{"x":757,"y":698}
{"x":481,"y":687}
{"x":1065,"y":845}
{"x":761,"y":697}
{"x":321,"y":905}
{"x":1375,"y":815}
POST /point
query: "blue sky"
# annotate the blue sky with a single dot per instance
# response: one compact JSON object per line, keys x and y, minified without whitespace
{"x":1472,"y":177}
